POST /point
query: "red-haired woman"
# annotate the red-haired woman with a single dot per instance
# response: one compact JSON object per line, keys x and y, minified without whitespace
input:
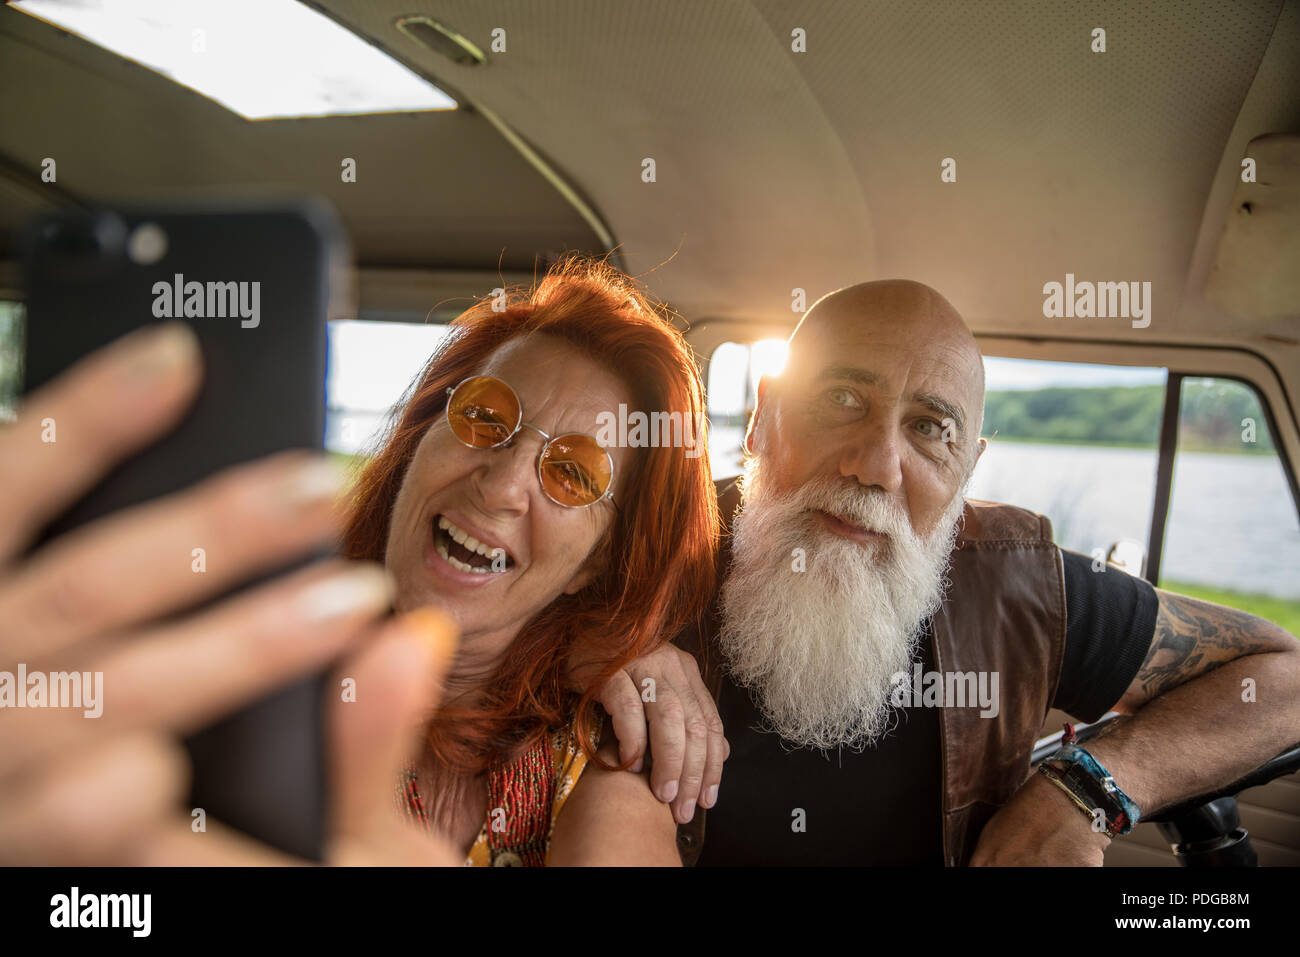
{"x":506,"y":494}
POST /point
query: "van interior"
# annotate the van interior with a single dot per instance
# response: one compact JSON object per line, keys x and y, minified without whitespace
{"x":745,"y":157}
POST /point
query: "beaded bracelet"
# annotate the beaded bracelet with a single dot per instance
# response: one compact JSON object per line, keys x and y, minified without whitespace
{"x":1125,"y":813}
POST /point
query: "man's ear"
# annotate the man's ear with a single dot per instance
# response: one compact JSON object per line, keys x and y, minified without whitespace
{"x":751,"y":431}
{"x":980,"y":446}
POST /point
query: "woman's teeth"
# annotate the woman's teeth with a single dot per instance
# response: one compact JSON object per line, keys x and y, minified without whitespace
{"x":497,"y":559}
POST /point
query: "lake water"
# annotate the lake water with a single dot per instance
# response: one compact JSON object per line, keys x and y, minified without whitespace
{"x":1232,"y":522}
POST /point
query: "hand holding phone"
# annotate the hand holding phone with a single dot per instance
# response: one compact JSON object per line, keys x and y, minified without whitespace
{"x":254,"y":281}
{"x":252,"y":284}
{"x":110,"y":789}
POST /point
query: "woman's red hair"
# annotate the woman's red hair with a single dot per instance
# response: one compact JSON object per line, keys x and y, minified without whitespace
{"x":658,"y":553}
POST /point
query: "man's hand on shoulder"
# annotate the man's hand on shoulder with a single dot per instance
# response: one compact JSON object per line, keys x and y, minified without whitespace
{"x":662,"y":698}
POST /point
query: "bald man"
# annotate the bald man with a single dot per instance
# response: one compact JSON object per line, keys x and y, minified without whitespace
{"x":883,"y":652}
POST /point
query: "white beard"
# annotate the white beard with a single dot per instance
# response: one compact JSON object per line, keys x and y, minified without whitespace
{"x":818,"y":648}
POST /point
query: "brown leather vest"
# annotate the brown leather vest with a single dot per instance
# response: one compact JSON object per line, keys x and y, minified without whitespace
{"x":1005,"y":613}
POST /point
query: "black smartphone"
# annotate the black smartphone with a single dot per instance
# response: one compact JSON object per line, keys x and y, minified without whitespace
{"x":256,"y":281}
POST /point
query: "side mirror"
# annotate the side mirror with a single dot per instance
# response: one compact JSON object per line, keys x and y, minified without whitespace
{"x":1129,"y":556}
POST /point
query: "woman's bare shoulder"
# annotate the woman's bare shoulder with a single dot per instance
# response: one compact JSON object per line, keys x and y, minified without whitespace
{"x":612,"y":818}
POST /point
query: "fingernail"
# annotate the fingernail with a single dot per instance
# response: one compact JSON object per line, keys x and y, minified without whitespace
{"x":316,"y":480}
{"x":687,"y":813}
{"x":638,"y":765}
{"x":711,"y":796}
{"x":437,"y":629}
{"x":155,"y":352}
{"x":669,"y":792}
{"x":364,"y":588}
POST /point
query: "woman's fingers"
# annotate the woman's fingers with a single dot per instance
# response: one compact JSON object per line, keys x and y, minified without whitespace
{"x":94,"y":805}
{"x":376,"y":708}
{"x":185,"y":676}
{"x":71,"y":431}
{"x":152,"y":559}
{"x":180,"y":677}
{"x":118,"y":803}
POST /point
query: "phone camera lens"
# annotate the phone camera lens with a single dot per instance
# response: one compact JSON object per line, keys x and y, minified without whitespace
{"x":147,"y":244}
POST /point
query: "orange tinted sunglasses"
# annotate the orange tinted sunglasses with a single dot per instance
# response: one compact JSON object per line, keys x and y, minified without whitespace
{"x":575,"y":471}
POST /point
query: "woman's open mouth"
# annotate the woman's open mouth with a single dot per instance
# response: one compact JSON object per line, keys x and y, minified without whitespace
{"x":464,"y":552}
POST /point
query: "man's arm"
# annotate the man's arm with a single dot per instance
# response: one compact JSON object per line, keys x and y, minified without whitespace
{"x":1193,"y":637}
{"x":661,"y":700}
{"x":1217,"y":695}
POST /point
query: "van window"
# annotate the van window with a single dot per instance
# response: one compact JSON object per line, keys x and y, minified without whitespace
{"x":1233,"y":535}
{"x":1076,"y":442}
{"x":370,"y":366}
{"x":11,"y":358}
{"x":734,"y":371}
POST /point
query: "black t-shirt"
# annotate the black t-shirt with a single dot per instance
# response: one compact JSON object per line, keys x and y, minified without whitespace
{"x":882,"y":806}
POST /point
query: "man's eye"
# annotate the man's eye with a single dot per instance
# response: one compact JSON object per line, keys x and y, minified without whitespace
{"x":843,"y":398}
{"x":929,"y":428}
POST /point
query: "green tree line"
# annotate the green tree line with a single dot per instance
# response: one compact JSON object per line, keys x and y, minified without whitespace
{"x":11,"y":357}
{"x":1211,"y":416}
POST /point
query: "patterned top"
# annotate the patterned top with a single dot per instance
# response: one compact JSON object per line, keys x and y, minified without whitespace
{"x":525,"y":798}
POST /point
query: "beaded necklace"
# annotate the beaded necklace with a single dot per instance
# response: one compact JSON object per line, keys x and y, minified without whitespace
{"x":521,"y":794}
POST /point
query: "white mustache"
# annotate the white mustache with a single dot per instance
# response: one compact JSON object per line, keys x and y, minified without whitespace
{"x":874,"y":511}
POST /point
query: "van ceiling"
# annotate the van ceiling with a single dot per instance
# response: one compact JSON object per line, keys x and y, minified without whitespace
{"x":778,"y":170}
{"x":774,"y":169}
{"x":435,"y":189}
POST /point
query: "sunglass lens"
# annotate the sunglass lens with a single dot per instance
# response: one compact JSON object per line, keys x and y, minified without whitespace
{"x":575,"y":470}
{"x":483,"y":412}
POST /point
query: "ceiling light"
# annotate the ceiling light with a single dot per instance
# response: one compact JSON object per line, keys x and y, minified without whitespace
{"x":259,"y":58}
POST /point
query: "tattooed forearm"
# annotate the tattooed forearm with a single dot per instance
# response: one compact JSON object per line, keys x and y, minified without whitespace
{"x":1193,"y":637}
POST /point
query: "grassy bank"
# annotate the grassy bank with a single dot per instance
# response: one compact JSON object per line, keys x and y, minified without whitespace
{"x":1283,"y":612}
